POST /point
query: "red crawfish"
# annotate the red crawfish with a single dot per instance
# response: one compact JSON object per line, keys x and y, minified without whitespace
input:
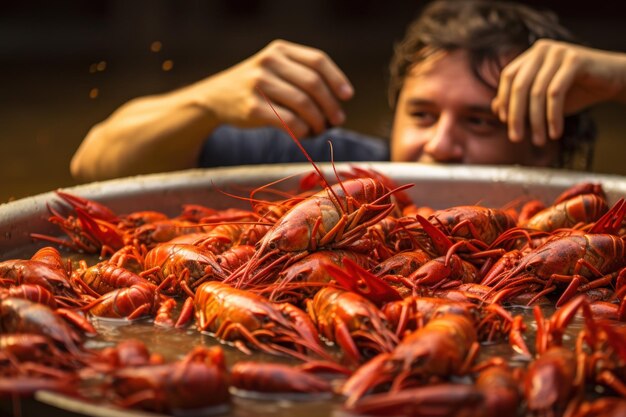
{"x":557,"y":378}
{"x":496,"y":393}
{"x":440,"y":243}
{"x":332,"y":218}
{"x":473,"y":222}
{"x":567,"y":261}
{"x":182,"y":266}
{"x":151,"y":234}
{"x":352,"y":322}
{"x":23,"y":316}
{"x":87,"y":233}
{"x":584,"y":208}
{"x":396,"y":269}
{"x":105,"y":277}
{"x":446,"y":346}
{"x":606,"y":359}
{"x":505,"y":263}
{"x":216,"y":240}
{"x":533,"y":207}
{"x":606,"y":303}
{"x":383,"y":239}
{"x":554,"y":379}
{"x":164,"y":315}
{"x":306,"y":276}
{"x":437,"y":399}
{"x":360,"y":281}
{"x":490,"y":320}
{"x":196,"y":382}
{"x":412,"y":313}
{"x":51,"y":256}
{"x":132,"y":302}
{"x":551,"y":381}
{"x":92,"y":226}
{"x":93,"y":208}
{"x":247,"y":319}
{"x":403,"y":263}
{"x":444,"y":272}
{"x":127,"y":353}
{"x":30,"y":347}
{"x":20,"y":271}
{"x":277,"y":378}
{"x":600,"y":353}
{"x":581,"y":188}
{"x":32,"y":292}
{"x":235,"y":257}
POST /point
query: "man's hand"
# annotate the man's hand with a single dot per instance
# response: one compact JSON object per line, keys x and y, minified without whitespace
{"x":551,"y":80}
{"x":305,"y":86}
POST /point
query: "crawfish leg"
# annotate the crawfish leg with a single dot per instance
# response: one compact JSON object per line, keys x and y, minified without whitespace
{"x":337,"y":230}
{"x":229,"y":331}
{"x":345,"y":340}
{"x":186,"y":313}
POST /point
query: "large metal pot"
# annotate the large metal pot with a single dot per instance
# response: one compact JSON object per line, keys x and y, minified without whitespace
{"x":438,"y":186}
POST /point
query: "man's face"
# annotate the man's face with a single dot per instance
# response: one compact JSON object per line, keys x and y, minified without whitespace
{"x":444,"y":115}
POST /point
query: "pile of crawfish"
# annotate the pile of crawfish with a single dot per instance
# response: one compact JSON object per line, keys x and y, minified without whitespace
{"x":384,"y":305}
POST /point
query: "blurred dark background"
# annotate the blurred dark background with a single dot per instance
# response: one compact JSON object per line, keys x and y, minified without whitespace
{"x":67,"y":65}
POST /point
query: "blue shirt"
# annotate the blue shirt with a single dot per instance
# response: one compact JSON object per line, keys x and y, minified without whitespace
{"x":234,"y":146}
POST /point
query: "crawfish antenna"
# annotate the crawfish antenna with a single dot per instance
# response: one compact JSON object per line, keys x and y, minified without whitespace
{"x":251,"y":199}
{"x":332,"y":158}
{"x":295,"y":139}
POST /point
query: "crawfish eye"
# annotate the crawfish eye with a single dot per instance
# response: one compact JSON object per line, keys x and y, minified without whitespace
{"x":272,"y":246}
{"x":392,"y":271}
{"x":299,"y":277}
{"x":376,"y":269}
{"x":530,"y":269}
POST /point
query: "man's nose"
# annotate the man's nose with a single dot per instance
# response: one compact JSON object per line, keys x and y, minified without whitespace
{"x":446,"y":143}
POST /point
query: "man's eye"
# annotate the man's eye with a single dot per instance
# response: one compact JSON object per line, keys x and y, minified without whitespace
{"x":423,"y":117}
{"x":483,"y":124}
{"x":479,"y":121}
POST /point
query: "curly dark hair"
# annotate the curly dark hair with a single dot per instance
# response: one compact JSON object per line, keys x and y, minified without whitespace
{"x":488,"y":30}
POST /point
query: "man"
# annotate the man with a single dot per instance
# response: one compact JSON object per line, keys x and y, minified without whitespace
{"x":472,"y":82}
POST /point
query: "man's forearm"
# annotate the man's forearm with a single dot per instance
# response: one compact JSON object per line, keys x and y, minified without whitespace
{"x":147,"y":135}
